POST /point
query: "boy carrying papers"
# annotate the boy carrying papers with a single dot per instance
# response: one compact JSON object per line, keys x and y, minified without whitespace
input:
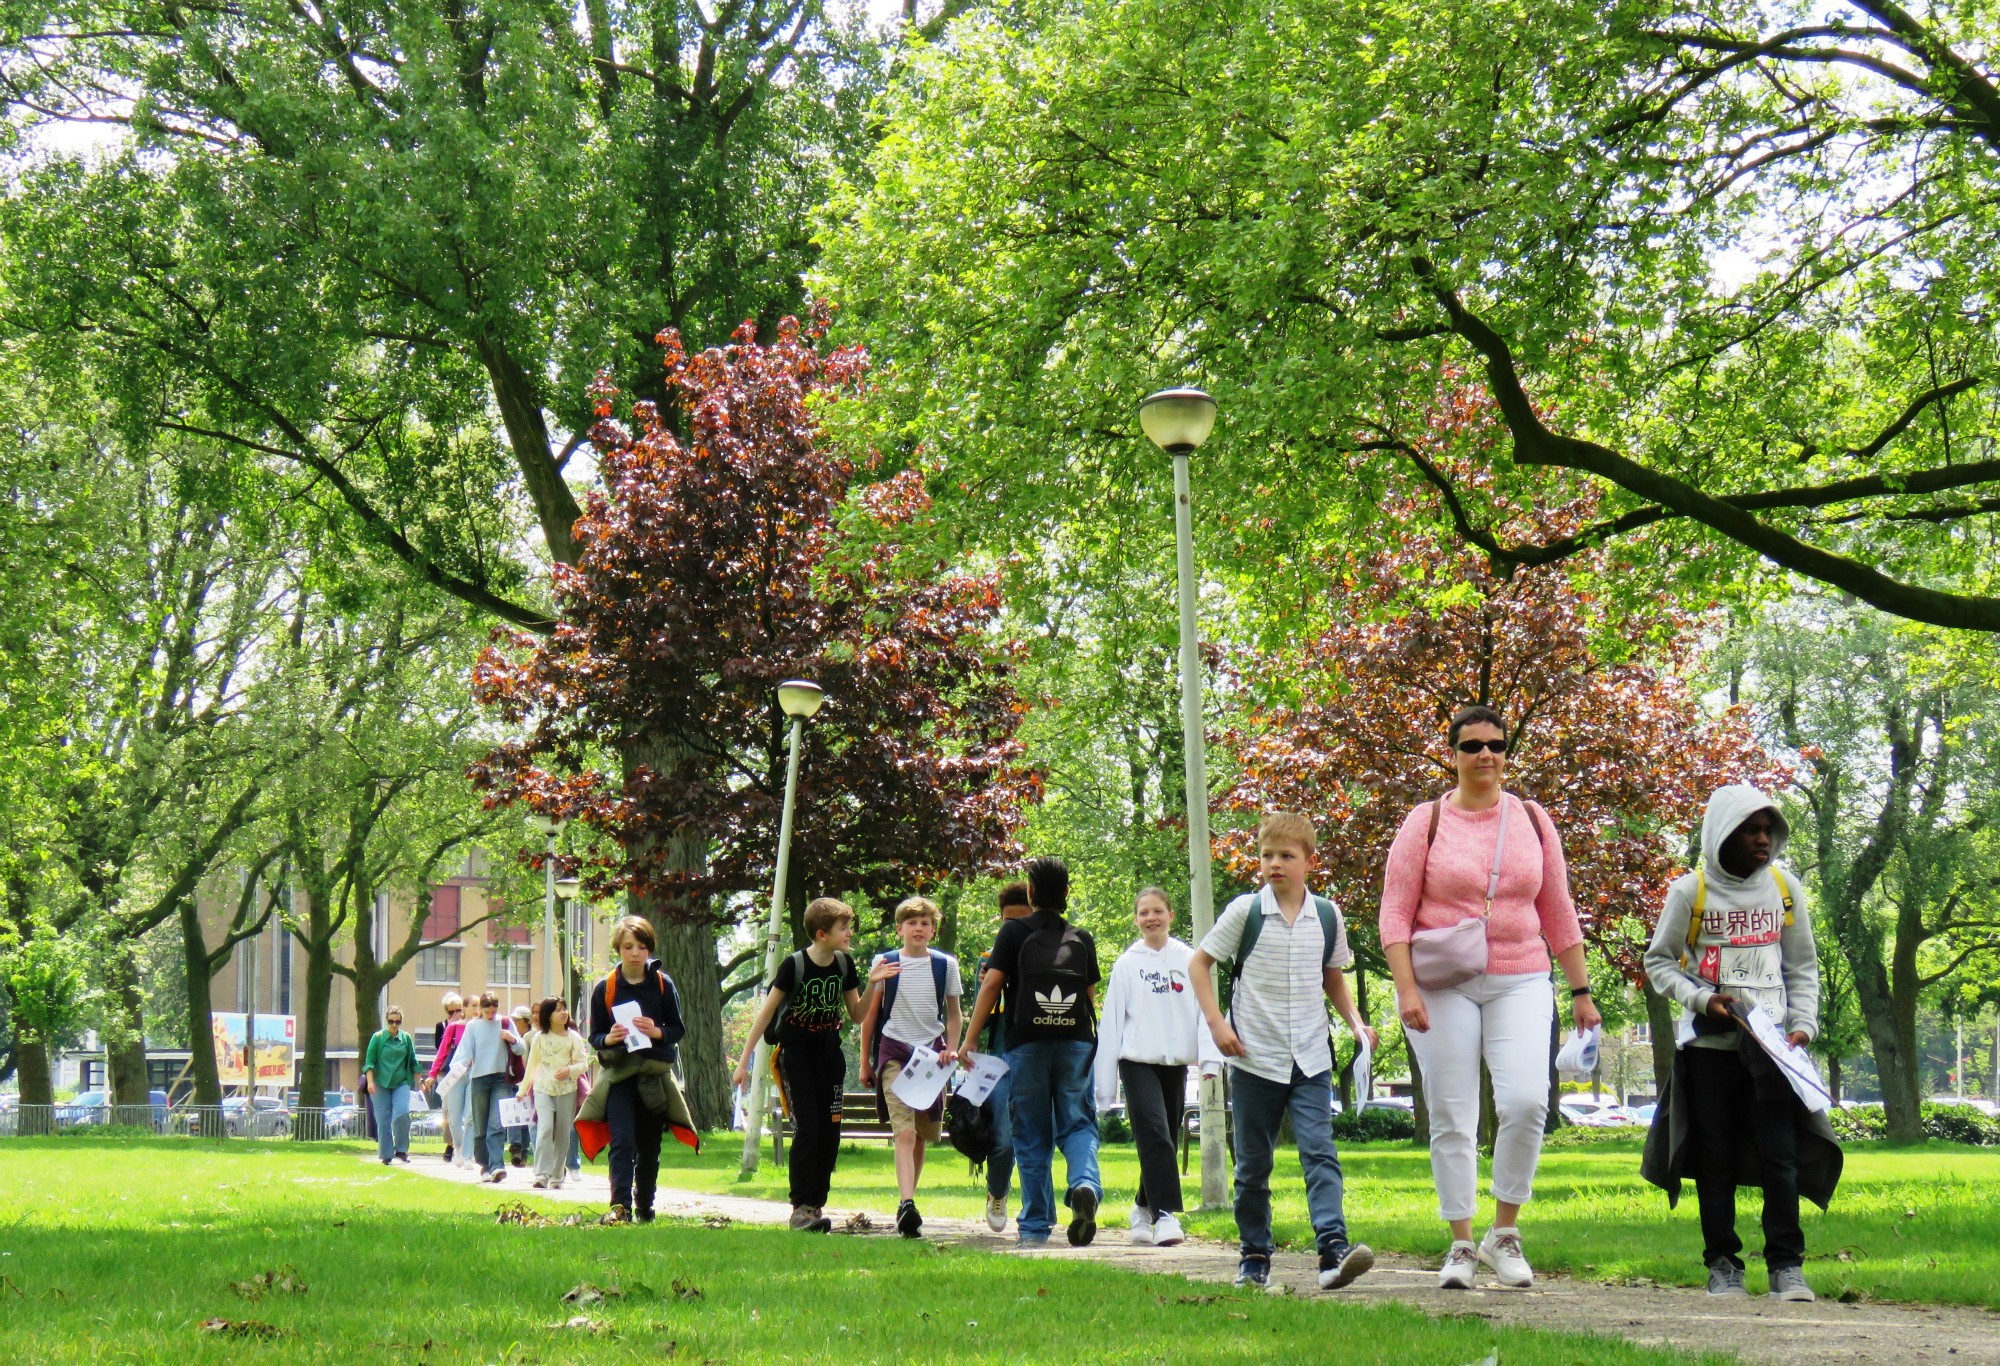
{"x":1288,"y":948}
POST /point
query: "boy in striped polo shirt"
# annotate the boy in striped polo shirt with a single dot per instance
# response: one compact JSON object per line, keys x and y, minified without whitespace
{"x":1288,"y":948}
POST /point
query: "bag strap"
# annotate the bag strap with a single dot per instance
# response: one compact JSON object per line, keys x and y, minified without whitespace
{"x":1701,"y":904}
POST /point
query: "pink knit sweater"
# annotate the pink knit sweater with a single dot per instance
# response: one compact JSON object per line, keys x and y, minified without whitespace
{"x":1533,"y":916}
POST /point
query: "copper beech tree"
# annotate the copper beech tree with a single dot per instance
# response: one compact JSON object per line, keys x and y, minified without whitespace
{"x":720,"y":554}
{"x":1603,"y":733}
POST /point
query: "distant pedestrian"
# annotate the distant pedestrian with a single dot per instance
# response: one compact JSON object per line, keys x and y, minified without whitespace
{"x":1736,"y":936}
{"x":1000,"y":1158}
{"x":1486,"y":866}
{"x":1151,"y":1032}
{"x":636,"y":1092}
{"x":913,"y":1003}
{"x":558,"y":1057}
{"x":492,"y":1040}
{"x":520,"y":1136}
{"x":450,"y":1094}
{"x":387,"y":1071}
{"x":454,"y":1012}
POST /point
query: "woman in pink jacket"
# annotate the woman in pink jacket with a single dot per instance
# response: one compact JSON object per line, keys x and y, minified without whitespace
{"x":1479,"y":851}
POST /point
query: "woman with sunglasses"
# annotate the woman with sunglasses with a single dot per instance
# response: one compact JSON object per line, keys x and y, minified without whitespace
{"x":387,"y":1072}
{"x":1479,"y":851}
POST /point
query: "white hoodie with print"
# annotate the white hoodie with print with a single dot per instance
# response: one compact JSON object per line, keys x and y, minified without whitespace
{"x":1151,"y":1016}
{"x":1744,"y":947}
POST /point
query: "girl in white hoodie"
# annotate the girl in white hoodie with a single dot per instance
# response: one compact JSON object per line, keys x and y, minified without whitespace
{"x":1150,"y":1032}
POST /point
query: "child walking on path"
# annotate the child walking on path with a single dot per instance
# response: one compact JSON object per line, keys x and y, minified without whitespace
{"x":492,"y":1042}
{"x":914,"y":1002}
{"x":1734,"y":934}
{"x":1150,"y":1033}
{"x":1288,"y":948}
{"x":815,"y":991}
{"x":636,"y":1125}
{"x":558,"y":1058}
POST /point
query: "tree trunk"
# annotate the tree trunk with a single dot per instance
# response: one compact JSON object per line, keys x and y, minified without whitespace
{"x":1554,"y":1119}
{"x":201,"y":1035}
{"x":1660,"y":1024}
{"x":1418,"y":1106}
{"x":1833,"y":1078}
{"x":688,"y":954}
{"x":313,"y":1030}
{"x":125,"y":1052}
{"x":31,"y":1068}
{"x":1489,"y":1117}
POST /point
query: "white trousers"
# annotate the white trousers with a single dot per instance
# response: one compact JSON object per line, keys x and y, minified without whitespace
{"x":1506,"y":1020}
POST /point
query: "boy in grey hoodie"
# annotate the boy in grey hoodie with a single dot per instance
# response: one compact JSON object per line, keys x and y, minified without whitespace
{"x":1736,"y":933}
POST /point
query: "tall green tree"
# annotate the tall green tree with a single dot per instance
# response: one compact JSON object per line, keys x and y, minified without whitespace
{"x":1726,"y":265}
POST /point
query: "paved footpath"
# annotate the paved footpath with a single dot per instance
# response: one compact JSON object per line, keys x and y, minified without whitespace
{"x":1756,"y":1330}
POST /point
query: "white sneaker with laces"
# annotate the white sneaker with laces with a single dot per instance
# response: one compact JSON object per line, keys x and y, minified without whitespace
{"x":1459,"y":1264}
{"x":1500,"y":1249}
{"x":996,"y":1213}
{"x":1167,"y":1232}
{"x":1142,"y":1226}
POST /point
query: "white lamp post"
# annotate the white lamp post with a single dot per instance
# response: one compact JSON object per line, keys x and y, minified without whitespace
{"x":550,"y":828}
{"x":798,"y":699}
{"x":567,"y":890}
{"x":1178,"y":421}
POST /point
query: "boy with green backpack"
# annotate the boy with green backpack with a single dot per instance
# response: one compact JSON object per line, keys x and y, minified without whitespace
{"x":1283,"y":960}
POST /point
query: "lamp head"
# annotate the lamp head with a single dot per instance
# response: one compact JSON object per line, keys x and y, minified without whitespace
{"x":799,"y":698}
{"x":1177,"y":420}
{"x":568,"y":887}
{"x":550,"y":826}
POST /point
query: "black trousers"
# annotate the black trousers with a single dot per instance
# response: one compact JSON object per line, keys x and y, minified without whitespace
{"x":1155,"y":1095}
{"x":635,"y":1147}
{"x":814,"y":1079}
{"x":1725,"y":1104}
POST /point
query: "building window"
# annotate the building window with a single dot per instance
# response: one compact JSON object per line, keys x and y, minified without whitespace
{"x":438,"y":966}
{"x":507,"y":966}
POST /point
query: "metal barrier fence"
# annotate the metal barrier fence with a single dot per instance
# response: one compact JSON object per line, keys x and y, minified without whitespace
{"x":232,"y":1119}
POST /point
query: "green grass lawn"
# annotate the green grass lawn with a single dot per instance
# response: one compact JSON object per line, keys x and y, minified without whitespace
{"x":120,"y":1251}
{"x":1918,"y":1224}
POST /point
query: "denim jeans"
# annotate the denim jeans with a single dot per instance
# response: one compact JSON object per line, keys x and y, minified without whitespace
{"x":392,"y":1120}
{"x":1054,"y":1106}
{"x":1000,"y":1160}
{"x":1259,"y":1106}
{"x":486,"y":1129}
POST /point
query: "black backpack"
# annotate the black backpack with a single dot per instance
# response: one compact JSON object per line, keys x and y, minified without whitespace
{"x":1053,"y":984}
{"x":971,"y":1127}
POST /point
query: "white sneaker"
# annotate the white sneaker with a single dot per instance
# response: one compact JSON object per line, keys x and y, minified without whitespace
{"x":1167,"y":1232}
{"x":1500,"y":1249}
{"x":1459,"y":1264}
{"x":996,"y":1213}
{"x":1142,"y":1226}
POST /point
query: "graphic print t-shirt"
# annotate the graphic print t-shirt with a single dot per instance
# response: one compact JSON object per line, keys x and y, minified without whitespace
{"x":815,"y":1000}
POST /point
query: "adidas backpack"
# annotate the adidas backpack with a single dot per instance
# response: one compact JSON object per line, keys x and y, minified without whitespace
{"x":1054,"y":982}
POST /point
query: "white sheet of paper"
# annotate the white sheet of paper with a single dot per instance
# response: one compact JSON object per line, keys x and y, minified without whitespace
{"x":1795,"y":1063}
{"x":624,"y":1013}
{"x":1578,"y":1057}
{"x":516,"y":1114}
{"x":984,"y":1076}
{"x":1364,"y":1071}
{"x":921,"y":1079}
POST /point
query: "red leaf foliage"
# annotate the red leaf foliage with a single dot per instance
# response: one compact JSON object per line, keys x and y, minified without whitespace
{"x":714,"y":565}
{"x":1616,"y":748}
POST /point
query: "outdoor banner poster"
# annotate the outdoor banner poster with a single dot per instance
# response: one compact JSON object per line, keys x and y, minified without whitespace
{"x":276,"y":1056}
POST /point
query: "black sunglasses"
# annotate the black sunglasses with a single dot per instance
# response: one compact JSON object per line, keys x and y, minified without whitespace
{"x":1474,"y":746}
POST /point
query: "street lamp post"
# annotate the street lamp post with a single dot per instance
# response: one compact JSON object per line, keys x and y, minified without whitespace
{"x":550,"y":828}
{"x":1178,"y":421}
{"x":798,"y":699}
{"x":567,"y":888}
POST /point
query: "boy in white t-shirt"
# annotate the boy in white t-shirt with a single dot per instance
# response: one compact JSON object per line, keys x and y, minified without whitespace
{"x":917,"y":1006}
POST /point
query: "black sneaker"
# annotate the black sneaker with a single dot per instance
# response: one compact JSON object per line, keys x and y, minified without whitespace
{"x":909,"y":1223}
{"x":1082,"y":1216}
{"x":644,"y":1216}
{"x":403,"y":1158}
{"x":1254,"y":1272}
{"x":1341,"y":1264}
{"x":447,"y":1154}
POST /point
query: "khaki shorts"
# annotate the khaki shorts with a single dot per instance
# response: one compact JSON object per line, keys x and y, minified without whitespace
{"x":902,"y":1119}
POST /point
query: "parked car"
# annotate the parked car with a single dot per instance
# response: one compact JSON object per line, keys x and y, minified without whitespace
{"x":1596,"y":1112}
{"x":1643,"y":1114}
{"x":1979,"y":1103}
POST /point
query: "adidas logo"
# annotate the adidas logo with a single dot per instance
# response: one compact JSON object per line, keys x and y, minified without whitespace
{"x":1058,"y":1008}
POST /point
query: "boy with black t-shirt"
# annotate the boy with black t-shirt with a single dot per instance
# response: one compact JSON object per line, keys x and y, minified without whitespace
{"x":815,"y":988}
{"x":1049,"y":970}
{"x":1000,"y":1158}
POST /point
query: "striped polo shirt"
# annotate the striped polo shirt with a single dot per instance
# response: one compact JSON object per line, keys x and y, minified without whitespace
{"x":1279,"y":1006}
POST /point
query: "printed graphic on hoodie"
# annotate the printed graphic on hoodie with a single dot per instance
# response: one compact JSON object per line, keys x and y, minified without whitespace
{"x":1161,"y":982}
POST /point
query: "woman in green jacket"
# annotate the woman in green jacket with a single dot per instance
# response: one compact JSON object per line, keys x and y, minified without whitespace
{"x":389,"y":1069}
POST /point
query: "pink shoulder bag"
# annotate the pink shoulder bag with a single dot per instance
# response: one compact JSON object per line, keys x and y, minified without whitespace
{"x":1456,"y":954}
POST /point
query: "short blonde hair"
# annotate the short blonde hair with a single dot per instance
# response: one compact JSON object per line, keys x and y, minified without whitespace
{"x":1287,"y":827}
{"x":824,"y":915}
{"x":915,"y":908}
{"x":640,"y":928}
{"x":452,"y":1001}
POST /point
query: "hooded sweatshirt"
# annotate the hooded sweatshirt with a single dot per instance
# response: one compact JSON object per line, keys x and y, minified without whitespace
{"x":1151,"y":1016}
{"x":1743,"y":948}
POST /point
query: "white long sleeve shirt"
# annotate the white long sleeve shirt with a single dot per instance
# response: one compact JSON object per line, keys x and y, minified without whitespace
{"x":1151,"y":1016}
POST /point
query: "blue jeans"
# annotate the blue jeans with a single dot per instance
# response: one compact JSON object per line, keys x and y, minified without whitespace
{"x":392,"y":1120}
{"x":486,"y":1129}
{"x":1000,"y":1161}
{"x":1054,"y":1106}
{"x":1259,"y":1106}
